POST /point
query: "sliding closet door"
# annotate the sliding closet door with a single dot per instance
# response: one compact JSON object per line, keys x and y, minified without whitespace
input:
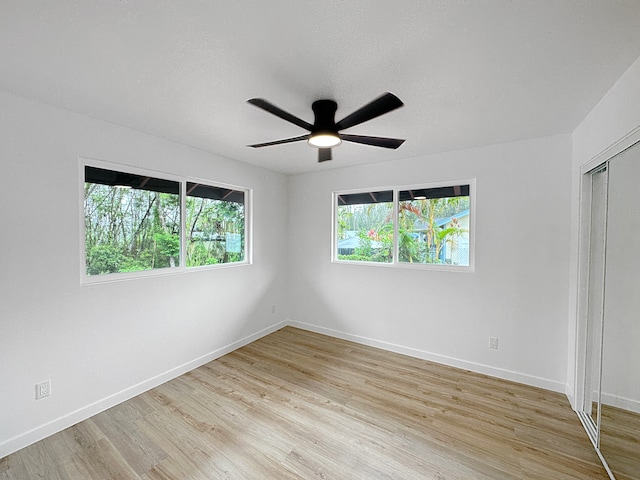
{"x":620,"y":393}
{"x":595,"y":295}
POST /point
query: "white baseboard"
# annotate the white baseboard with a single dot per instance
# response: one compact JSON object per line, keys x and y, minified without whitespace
{"x":621,"y":402}
{"x":27,"y":438}
{"x":443,"y":359}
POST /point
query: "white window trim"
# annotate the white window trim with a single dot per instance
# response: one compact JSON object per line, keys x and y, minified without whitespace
{"x":395,"y":263}
{"x":182,"y":180}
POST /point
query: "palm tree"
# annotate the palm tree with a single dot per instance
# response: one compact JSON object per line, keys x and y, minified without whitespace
{"x":435,"y":237}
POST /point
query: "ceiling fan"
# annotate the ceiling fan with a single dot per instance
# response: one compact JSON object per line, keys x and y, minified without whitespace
{"x":324,"y":132}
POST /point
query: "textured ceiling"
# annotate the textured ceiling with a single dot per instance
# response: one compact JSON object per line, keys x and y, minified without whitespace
{"x":469,"y":72}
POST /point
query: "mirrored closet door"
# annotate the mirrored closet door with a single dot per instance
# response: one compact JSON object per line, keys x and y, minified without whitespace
{"x":595,"y":297}
{"x":611,"y":397}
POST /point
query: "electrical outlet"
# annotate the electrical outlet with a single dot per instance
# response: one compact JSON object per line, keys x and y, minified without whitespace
{"x":493,"y":342}
{"x":43,"y":389}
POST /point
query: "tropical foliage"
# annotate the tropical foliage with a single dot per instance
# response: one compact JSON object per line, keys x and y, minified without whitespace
{"x":373,"y":225}
{"x":215,"y":231}
{"x":422,"y":235}
{"x":130,"y":229}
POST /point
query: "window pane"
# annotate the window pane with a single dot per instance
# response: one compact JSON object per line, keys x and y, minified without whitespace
{"x":215,"y":225}
{"x":365,"y":227}
{"x":433,"y":225}
{"x":132,"y":222}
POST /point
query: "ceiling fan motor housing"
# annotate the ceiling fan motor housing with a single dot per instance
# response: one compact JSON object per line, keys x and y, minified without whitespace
{"x":325,"y":112}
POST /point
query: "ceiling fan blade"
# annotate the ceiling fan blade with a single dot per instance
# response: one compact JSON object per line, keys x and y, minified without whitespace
{"x":375,"y":141}
{"x":278,"y":112}
{"x":279,"y":142}
{"x":324,"y":154}
{"x":377,"y":107}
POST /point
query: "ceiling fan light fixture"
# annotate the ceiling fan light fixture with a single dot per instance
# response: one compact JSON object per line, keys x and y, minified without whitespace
{"x":324,"y":132}
{"x":324,"y":139}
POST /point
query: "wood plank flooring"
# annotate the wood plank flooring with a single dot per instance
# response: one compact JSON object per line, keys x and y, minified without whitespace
{"x":299,"y":405}
{"x":620,"y":442}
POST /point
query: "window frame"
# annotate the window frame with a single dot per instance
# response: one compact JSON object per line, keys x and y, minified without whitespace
{"x":86,"y":279}
{"x":395,"y":263}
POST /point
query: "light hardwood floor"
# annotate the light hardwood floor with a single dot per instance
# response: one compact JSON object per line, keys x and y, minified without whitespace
{"x":298,"y":405}
{"x":620,"y":442}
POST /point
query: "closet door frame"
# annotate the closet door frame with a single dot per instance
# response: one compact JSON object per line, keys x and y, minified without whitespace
{"x":584,"y":235}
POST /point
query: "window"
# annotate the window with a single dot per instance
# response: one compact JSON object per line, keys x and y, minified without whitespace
{"x":215,"y":225}
{"x":365,"y":226}
{"x":433,"y":227}
{"x":133,"y":223}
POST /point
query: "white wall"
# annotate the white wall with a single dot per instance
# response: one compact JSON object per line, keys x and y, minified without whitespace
{"x":518,"y":291}
{"x":101,"y":344}
{"x":613,"y":124}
